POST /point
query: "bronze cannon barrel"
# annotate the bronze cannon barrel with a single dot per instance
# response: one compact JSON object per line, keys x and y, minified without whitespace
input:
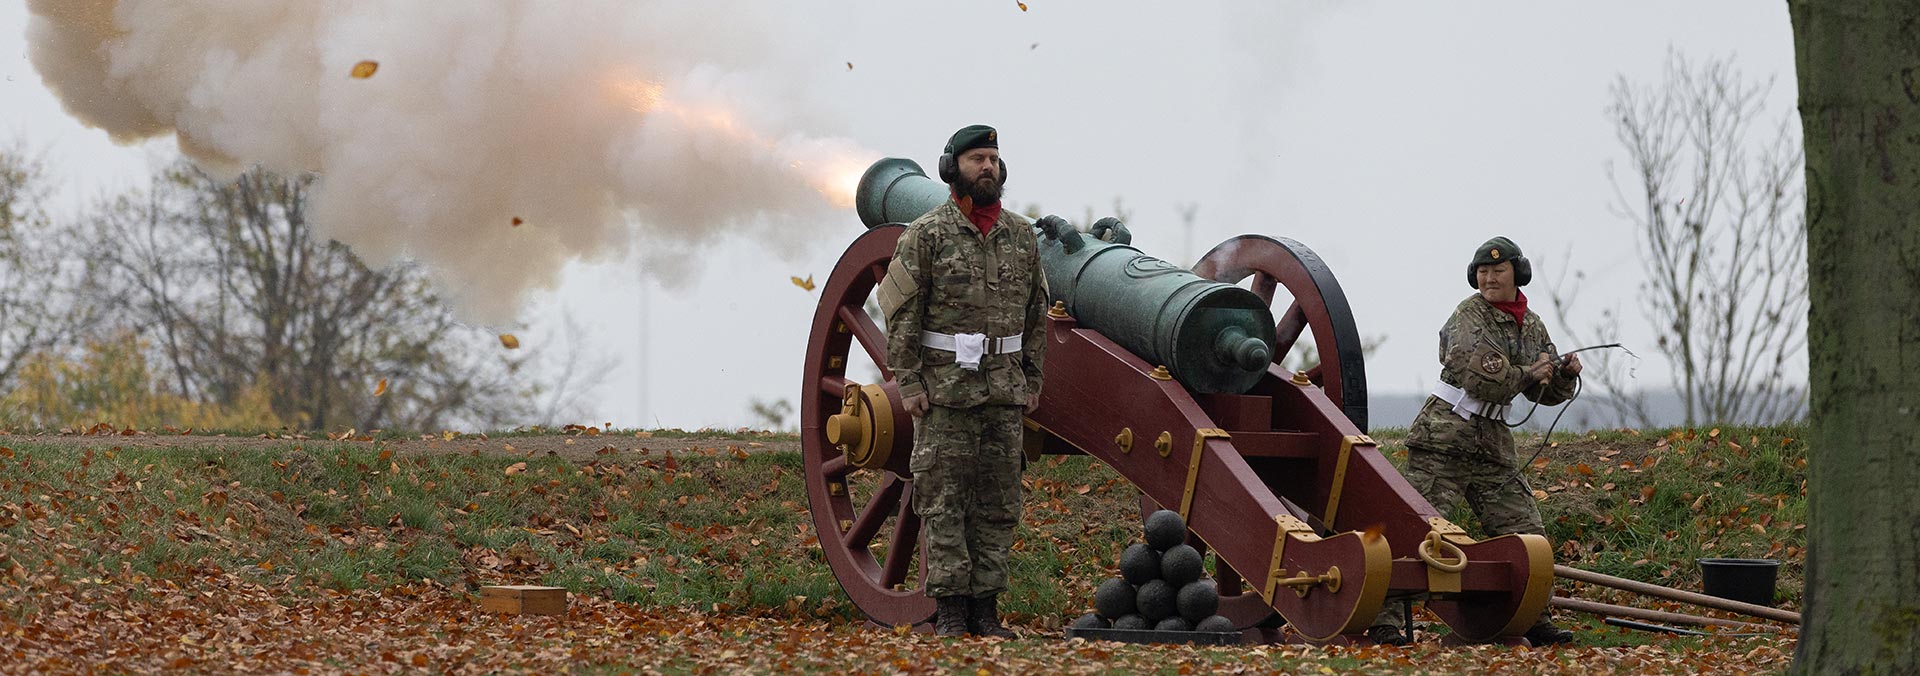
{"x":1213,"y":337}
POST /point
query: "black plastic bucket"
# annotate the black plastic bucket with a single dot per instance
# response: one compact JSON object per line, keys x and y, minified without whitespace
{"x":1745,"y":580}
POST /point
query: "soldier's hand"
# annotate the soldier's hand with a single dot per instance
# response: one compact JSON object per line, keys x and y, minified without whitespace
{"x":1033,"y":402}
{"x":1542,"y":369}
{"x":1572,"y":367}
{"x":917,"y":405}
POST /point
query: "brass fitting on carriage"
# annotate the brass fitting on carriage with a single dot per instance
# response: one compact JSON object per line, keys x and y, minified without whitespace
{"x":1441,"y":551}
{"x":1287,"y":527}
{"x":863,"y":429}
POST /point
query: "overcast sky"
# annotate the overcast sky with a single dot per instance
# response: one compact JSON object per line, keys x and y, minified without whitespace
{"x":1391,"y":137}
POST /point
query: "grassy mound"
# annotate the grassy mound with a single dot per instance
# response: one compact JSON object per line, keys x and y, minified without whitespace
{"x":724,"y":529}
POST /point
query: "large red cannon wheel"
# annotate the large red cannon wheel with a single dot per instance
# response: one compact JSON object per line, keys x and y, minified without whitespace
{"x":1317,"y":304}
{"x":855,"y":438}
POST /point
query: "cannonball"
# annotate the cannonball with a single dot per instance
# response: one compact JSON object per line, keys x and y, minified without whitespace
{"x":1165,"y":529}
{"x":1215,"y":623}
{"x":1139,"y":563}
{"x":1181,"y":565}
{"x":1090,"y":621}
{"x":1114,"y":599}
{"x":1156,"y":600}
{"x":1175,"y":623}
{"x":1132,"y":622}
{"x":1198,"y":599}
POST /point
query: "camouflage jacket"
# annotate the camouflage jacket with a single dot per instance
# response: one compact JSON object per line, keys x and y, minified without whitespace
{"x":1484,"y":352}
{"x":947,"y":278}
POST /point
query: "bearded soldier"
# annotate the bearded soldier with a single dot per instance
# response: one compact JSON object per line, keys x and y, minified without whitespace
{"x":1491,"y":349}
{"x":963,"y":301}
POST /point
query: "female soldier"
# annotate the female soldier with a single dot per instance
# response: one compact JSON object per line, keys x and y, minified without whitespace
{"x":1491,"y":349}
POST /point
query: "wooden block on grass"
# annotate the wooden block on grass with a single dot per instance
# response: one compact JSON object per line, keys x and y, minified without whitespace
{"x":524,"y":599}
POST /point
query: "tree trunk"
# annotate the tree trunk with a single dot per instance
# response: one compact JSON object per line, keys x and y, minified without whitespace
{"x":1859,"y":74}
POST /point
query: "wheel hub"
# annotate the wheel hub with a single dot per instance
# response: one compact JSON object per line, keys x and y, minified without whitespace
{"x":863,"y":429}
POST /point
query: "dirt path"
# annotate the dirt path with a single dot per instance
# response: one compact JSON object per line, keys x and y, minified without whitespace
{"x":569,"y":446}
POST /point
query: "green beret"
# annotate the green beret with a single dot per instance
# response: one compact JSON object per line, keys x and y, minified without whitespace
{"x":1496,"y":251}
{"x":970,"y":137}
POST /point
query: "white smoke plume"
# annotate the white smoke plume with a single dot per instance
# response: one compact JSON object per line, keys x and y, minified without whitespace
{"x":582,"y":119}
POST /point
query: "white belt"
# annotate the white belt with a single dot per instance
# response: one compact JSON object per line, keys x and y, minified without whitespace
{"x":1465,"y":406}
{"x":967,"y":348}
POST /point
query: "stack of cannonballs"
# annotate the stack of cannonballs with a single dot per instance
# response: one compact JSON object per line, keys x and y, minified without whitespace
{"x":1162,"y":585}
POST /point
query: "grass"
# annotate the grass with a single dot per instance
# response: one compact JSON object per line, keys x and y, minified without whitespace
{"x":727,"y":532}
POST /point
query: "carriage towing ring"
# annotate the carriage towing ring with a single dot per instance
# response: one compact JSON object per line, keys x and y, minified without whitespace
{"x":1452,"y":551}
{"x":863,"y":429}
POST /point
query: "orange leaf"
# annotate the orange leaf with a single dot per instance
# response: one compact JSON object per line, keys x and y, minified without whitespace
{"x":507,"y":340}
{"x":1583,"y":469}
{"x":364,"y":69}
{"x":804,"y":284}
{"x":381,"y":388}
{"x":1023,"y":6}
{"x":516,"y":468}
{"x":6,"y":451}
{"x":517,"y":221}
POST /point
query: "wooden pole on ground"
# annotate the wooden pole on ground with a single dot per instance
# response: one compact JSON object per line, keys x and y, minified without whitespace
{"x":1598,"y":608}
{"x":1672,"y":594}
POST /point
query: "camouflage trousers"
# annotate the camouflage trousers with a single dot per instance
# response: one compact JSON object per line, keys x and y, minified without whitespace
{"x":1488,"y":483}
{"x":966,"y":489}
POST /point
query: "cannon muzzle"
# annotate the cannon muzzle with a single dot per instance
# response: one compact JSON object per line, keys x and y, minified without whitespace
{"x":1213,"y":337}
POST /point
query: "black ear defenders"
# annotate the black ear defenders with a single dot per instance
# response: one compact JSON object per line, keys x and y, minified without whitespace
{"x":949,"y":169}
{"x":1522,"y":271}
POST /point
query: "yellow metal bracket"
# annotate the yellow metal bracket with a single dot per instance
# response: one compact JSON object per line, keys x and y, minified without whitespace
{"x":1285,"y":526}
{"x":1448,"y":530}
{"x":1200,"y":437}
{"x":1442,"y":554}
{"x":1340,"y":474}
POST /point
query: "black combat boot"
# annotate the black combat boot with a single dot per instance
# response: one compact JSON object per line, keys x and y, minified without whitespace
{"x":1543,"y":633}
{"x":983,"y":618}
{"x":950,"y":616}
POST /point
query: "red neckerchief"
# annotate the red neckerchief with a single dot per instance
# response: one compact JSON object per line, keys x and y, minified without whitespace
{"x":1516,"y":307}
{"x":983,"y":217}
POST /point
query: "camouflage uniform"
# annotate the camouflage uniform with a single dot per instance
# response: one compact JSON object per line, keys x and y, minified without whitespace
{"x":1449,"y":457}
{"x":948,"y":278}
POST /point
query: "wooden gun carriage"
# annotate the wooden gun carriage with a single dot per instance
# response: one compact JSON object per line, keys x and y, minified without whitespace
{"x":1175,"y":382}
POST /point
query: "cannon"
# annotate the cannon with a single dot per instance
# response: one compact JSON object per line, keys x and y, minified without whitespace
{"x":1173,"y":378}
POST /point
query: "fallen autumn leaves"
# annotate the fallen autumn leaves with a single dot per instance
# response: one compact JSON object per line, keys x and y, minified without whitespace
{"x":351,"y":556}
{"x":219,"y":622}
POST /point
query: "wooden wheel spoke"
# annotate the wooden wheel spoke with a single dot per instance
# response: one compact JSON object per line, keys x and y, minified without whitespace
{"x":874,"y":514}
{"x":905,"y":545}
{"x":834,"y":387}
{"x":836,"y":467}
{"x":1263,"y":286}
{"x":869,"y":335}
{"x":1292,"y":323}
{"x":1314,"y":374}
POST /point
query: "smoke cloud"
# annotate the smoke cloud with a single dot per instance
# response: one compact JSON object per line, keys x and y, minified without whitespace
{"x":597,"y":124}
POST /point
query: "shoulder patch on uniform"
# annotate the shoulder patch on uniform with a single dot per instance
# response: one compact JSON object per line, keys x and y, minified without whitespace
{"x":896,"y":289}
{"x":1493,"y":363}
